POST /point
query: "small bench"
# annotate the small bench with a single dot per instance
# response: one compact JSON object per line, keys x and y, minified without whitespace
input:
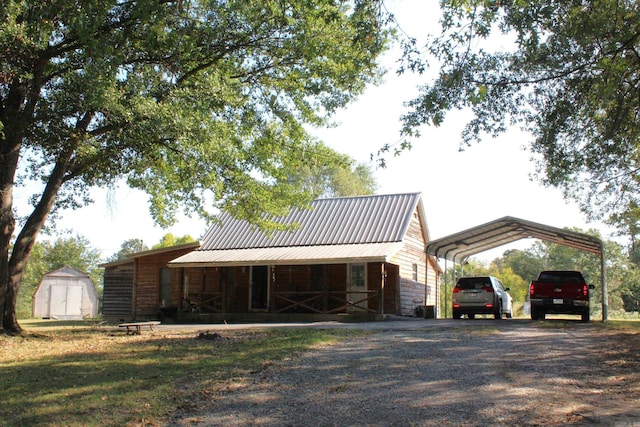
{"x":134,"y":327}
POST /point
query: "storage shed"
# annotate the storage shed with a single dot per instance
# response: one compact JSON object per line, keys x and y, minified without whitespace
{"x":65,"y":294}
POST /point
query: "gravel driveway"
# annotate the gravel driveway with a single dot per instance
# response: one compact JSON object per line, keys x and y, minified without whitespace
{"x":467,"y":372}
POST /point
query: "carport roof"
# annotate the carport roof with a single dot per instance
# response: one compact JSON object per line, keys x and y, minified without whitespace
{"x":459,"y":246}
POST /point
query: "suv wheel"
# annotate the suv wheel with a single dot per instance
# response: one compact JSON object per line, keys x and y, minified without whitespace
{"x":456,"y":314}
{"x":586,"y":315}
{"x":497,"y":314}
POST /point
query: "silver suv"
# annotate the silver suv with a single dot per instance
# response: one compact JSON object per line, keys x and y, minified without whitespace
{"x":481,"y":295}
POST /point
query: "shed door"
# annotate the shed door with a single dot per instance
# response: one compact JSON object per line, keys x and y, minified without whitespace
{"x":66,"y":300}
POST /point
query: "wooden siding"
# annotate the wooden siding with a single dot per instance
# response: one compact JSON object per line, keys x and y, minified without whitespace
{"x":147,"y":282}
{"x":412,"y":292}
{"x":117,"y":299}
{"x":432,"y":290}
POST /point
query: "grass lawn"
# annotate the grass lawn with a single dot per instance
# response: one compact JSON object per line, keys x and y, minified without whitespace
{"x":81,"y":374}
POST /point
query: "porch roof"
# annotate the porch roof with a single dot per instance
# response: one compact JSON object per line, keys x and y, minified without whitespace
{"x":288,"y":255}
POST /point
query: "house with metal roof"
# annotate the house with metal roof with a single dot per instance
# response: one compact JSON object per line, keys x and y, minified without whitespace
{"x":343,"y":256}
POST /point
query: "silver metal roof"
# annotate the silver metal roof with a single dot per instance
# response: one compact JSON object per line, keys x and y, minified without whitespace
{"x":332,"y":230}
{"x":459,"y":246}
{"x":337,"y":221}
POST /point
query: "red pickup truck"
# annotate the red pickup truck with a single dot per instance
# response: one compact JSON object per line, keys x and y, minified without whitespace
{"x":564,"y":292}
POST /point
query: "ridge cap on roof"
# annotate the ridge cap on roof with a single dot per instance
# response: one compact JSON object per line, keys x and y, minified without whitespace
{"x":407,"y":193}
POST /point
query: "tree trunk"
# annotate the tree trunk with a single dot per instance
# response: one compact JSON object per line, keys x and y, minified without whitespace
{"x":9,"y":320}
{"x":25,"y":241}
{"x":7,"y":225}
{"x":8,"y":294}
{"x":15,"y":118}
{"x":9,"y":155}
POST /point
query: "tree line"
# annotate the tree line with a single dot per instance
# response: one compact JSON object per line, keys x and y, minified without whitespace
{"x":515,"y":269}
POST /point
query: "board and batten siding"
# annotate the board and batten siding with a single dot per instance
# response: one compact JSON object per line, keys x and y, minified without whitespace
{"x":412,"y":291}
{"x":117,"y":299}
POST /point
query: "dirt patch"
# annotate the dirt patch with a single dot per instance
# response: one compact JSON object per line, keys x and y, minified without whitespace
{"x":473,"y":373}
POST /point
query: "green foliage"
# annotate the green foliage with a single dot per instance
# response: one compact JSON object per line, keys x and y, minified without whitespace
{"x":518,"y":287}
{"x":203,"y":105}
{"x":133,"y":246}
{"x":169,"y":240}
{"x":565,"y":71}
{"x":127,"y":248}
{"x":630,"y":290}
{"x":48,"y":256}
{"x":192,"y":102}
{"x":526,"y":264}
{"x":338,"y":178}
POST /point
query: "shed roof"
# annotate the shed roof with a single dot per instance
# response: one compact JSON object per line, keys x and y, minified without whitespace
{"x":459,"y":246}
{"x":66,"y":271}
{"x":367,"y":228}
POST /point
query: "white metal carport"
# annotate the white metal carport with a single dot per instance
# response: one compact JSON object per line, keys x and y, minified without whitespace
{"x":460,"y":246}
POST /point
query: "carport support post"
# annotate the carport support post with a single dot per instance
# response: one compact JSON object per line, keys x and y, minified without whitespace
{"x":446,"y":294}
{"x":603,"y":273}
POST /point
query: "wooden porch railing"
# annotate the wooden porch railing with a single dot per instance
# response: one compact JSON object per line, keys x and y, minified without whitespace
{"x":203,"y":302}
{"x":318,"y":301}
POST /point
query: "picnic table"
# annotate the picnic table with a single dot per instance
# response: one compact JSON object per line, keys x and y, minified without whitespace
{"x":134,"y":327}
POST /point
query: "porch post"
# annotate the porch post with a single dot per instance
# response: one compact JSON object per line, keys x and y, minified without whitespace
{"x":383,"y":275}
{"x":180,"y":290}
{"x":222,"y":286}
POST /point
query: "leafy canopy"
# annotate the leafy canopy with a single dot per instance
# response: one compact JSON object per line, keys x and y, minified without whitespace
{"x":569,"y":77}
{"x":341,"y":179}
{"x":199,"y":103}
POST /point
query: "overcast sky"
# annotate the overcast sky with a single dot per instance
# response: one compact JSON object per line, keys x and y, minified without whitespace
{"x":460,"y":189}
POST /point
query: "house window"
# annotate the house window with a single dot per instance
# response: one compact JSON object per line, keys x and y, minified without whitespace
{"x":415,"y":272}
{"x":165,"y":287}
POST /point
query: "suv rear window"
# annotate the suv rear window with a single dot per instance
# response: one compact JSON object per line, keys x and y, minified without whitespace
{"x":473,"y":282}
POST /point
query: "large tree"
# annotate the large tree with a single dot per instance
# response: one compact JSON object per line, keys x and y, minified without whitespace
{"x":128,"y":247}
{"x":337,"y":179}
{"x":566,"y":71}
{"x":200,"y":103}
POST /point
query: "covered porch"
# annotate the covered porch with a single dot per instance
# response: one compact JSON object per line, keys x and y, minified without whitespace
{"x":272,"y":292}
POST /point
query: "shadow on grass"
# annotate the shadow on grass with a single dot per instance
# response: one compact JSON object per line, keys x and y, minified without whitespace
{"x":119,"y":380}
